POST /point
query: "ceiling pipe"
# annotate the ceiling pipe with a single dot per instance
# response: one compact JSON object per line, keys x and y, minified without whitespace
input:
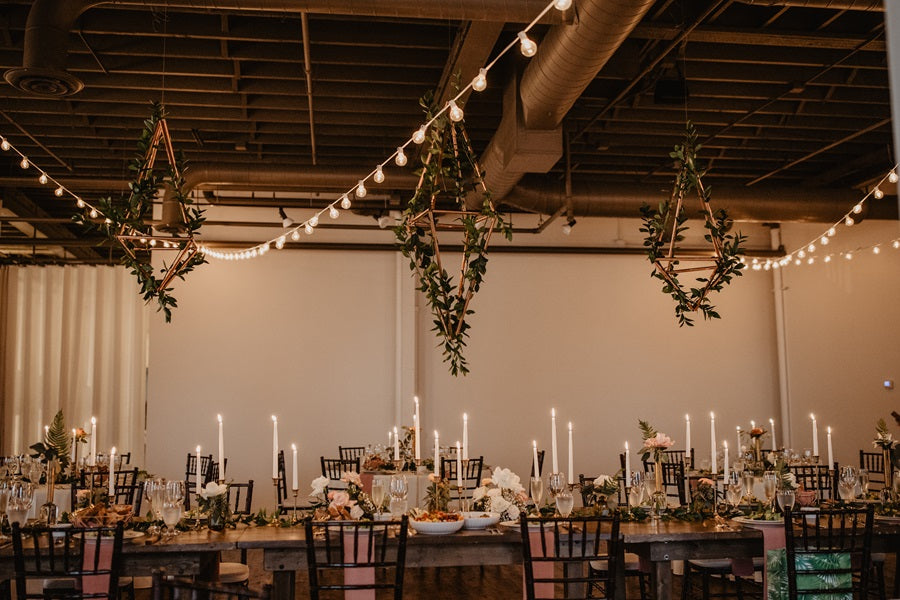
{"x":529,"y":138}
{"x":863,"y":5}
{"x":43,"y":71}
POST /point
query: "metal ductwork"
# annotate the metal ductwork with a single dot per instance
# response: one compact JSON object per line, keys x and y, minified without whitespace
{"x":864,"y":5}
{"x":529,"y":138}
{"x":43,"y":72}
{"x":756,"y":204}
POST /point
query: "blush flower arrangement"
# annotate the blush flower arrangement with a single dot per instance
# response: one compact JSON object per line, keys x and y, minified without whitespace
{"x":501,"y":493}
{"x":351,"y":503}
{"x":655,"y":443}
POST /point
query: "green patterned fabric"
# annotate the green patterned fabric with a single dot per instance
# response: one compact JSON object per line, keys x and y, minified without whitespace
{"x":777,"y":575}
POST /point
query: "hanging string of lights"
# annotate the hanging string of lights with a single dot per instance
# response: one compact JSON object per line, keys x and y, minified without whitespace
{"x":808,"y":253}
{"x":527,"y":47}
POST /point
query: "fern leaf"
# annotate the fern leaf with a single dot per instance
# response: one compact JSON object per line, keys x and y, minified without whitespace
{"x":58,"y":439}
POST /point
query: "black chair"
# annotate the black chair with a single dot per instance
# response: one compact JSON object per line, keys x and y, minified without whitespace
{"x":190,"y":476}
{"x":818,"y":478}
{"x":125,"y":457}
{"x":631,"y":563}
{"x":540,"y":454}
{"x":240,"y":497}
{"x":814,"y":535}
{"x":873,"y":462}
{"x":333,"y":468}
{"x":171,"y":588}
{"x":78,"y":562}
{"x":336,"y":547}
{"x":351,"y":452}
{"x":580,"y":553}
{"x":471,"y":476}
{"x":281,"y":490}
{"x":127,"y":488}
{"x":673,"y":479}
{"x":680,"y":456}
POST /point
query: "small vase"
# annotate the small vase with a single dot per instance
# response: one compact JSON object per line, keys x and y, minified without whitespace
{"x":218,"y":513}
{"x":888,"y":469}
{"x":757,"y":451}
{"x":49,"y":510}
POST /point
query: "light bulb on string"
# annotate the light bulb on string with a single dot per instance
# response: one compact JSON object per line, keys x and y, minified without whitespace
{"x":43,"y":179}
{"x":333,"y":212}
{"x":896,"y":244}
{"x":279,"y":243}
{"x":811,"y":248}
{"x":877,"y":193}
{"x":797,"y":261}
{"x":562,"y":4}
{"x":345,"y":202}
{"x":4,"y":144}
{"x":314,"y":220}
{"x":848,"y":221}
{"x":153,"y":242}
{"x":876,"y":250}
{"x":848,"y":256}
{"x":526,"y":45}
{"x":419,"y":136}
{"x":810,"y":260}
{"x":831,"y":232}
{"x":361,"y":189}
{"x":824,"y":240}
{"x":295,"y":235}
{"x":308,"y":228}
{"x":455,"y":112}
{"x":858,"y":208}
{"x":379,"y":175}
{"x":892,"y":176}
{"x":24,"y":164}
{"x":58,"y":192}
{"x":94,"y":213}
{"x":400,"y":159}
{"x":828,"y":258}
{"x":480,"y":82}
{"x":801,"y":254}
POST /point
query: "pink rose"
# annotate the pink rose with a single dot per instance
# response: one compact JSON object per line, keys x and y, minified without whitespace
{"x":705,"y":481}
{"x":660,"y":441}
{"x":339,"y":498}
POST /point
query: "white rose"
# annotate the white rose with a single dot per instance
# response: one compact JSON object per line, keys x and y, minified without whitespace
{"x":213,"y":489}
{"x":500,"y":504}
{"x":506,"y":479}
{"x":602,"y":481}
{"x":356,"y":512}
{"x":513,"y":512}
{"x":494,"y":493}
{"x":318,"y":485}
{"x":479,"y":493}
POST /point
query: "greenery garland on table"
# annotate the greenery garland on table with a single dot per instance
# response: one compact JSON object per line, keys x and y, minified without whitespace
{"x":128,"y":220}
{"x":449,"y":173}
{"x":665,"y":227}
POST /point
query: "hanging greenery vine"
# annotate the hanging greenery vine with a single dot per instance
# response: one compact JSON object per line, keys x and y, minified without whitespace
{"x":127,"y":223}
{"x":665,"y":227}
{"x":449,"y":173}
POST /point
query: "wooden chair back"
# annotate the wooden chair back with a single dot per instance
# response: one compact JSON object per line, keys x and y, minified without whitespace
{"x":471,"y":475}
{"x":351,"y":452}
{"x":873,"y":462}
{"x":333,"y":468}
{"x":240,"y":497}
{"x":816,"y":477}
{"x":673,"y":479}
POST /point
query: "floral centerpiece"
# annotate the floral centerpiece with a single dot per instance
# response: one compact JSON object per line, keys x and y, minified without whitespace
{"x":654,"y":448}
{"x":890,"y":450}
{"x":501,"y":493}
{"x":214,"y":502}
{"x":602,"y":492}
{"x":335,"y":505}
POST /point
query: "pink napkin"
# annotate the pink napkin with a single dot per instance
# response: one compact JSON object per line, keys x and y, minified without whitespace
{"x":358,"y":575}
{"x":96,"y":584}
{"x":367,"y":479}
{"x":542,"y":570}
{"x":773,"y":539}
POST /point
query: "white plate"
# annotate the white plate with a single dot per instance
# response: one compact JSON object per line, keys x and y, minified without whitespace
{"x":480,"y":519}
{"x":515,"y":525}
{"x":128,"y":534}
{"x":763,"y":522}
{"x":437,"y":527}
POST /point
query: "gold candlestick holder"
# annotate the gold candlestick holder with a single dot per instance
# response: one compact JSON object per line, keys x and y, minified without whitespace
{"x":463,"y":501}
{"x":294,"y":512}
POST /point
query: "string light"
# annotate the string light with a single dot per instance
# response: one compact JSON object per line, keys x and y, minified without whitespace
{"x":279,"y":243}
{"x":562,"y":4}
{"x":892,"y":176}
{"x":24,"y":164}
{"x":4,"y":144}
{"x":308,"y":228}
{"x":345,"y":202}
{"x":58,"y":192}
{"x":43,"y":179}
{"x":295,"y":235}
{"x":361,"y":189}
{"x":80,"y":203}
{"x":877,"y":193}
{"x":379,"y":175}
{"x":333,"y":212}
{"x":400,"y":159}
{"x":419,"y":136}
{"x":858,"y":208}
{"x":848,"y":221}
{"x":526,"y":45}
{"x":480,"y":82}
{"x":456,"y":113}
{"x":314,"y":221}
{"x":895,"y":244}
{"x":94,"y":213}
{"x":876,"y":250}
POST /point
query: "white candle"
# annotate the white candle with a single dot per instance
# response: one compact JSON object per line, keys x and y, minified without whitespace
{"x":627,"y":466}
{"x":390,"y":438}
{"x":712,"y":443}
{"x":465,"y":446}
{"x":437,"y":454}
{"x":553,"y":439}
{"x":687,"y":441}
{"x":830,"y":450}
{"x":752,"y":424}
{"x":294,"y":479}
{"x":571,"y":457}
{"x":396,"y":445}
{"x":815,"y":435}
{"x":416,"y":436}
{"x":725,"y":468}
{"x":537,"y":466}
{"x":417,"y":429}
{"x":738,"y":439}
{"x":772,"y":429}
{"x":112,"y":475}
{"x":199,"y":479}
{"x":221,"y":449}
{"x":274,"y":447}
{"x":93,"y":441}
{"x":458,"y":465}
{"x":74,"y":442}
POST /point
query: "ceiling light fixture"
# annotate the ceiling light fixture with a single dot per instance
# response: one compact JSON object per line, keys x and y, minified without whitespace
{"x":286,"y":221}
{"x":526,"y":45}
{"x":570,"y":223}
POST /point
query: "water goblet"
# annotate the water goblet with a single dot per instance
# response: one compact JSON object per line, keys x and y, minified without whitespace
{"x":786,"y":499}
{"x":770,"y":482}
{"x":748,"y":479}
{"x":557,"y":483}
{"x":378,"y":493}
{"x":173,"y":505}
{"x":21,"y":497}
{"x":847,"y":490}
{"x":537,"y":492}
{"x":734,"y":489}
{"x":154,"y":492}
{"x":636,"y":489}
{"x":398,"y":489}
{"x":649,"y":479}
{"x":565,"y":502}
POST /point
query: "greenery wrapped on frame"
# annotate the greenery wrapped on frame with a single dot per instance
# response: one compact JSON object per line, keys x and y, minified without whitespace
{"x":449,"y":174}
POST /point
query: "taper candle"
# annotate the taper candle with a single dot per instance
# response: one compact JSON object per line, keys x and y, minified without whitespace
{"x":712,"y":443}
{"x":772,"y":429}
{"x":726,"y":468}
{"x":830,"y":450}
{"x":687,"y":438}
{"x":571,"y":458}
{"x":396,"y":444}
{"x":112,"y":475}
{"x":74,"y":446}
{"x":627,"y":466}
{"x":553,"y":439}
{"x":221,"y":448}
{"x":198,"y":479}
{"x":537,"y":466}
{"x":274,"y":447}
{"x":93,"y":441}
{"x":458,"y":465}
{"x":738,"y":447}
{"x":465,"y":447}
{"x":437,"y":454}
{"x":815,"y":435}
{"x":417,"y":430}
{"x":294,"y":479}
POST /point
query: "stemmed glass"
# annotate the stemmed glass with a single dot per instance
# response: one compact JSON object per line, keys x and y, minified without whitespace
{"x":565,"y":502}
{"x":173,"y":505}
{"x":378,"y":493}
{"x":864,"y":483}
{"x":770,"y":482}
{"x":537,"y":492}
{"x":748,"y":479}
{"x":155,"y":493}
{"x":398,"y":490}
{"x":786,"y":499}
{"x":557,"y":483}
{"x":636,"y":491}
{"x":734,"y":489}
{"x":4,"y":498}
{"x":847,"y":483}
{"x":21,"y":497}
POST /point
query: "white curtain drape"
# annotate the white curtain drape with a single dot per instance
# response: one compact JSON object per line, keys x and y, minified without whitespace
{"x":76,"y":340}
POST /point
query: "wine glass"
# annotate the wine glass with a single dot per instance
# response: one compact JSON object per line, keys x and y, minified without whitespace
{"x":557,"y":483}
{"x":636,"y":491}
{"x":21,"y":497}
{"x":770,"y":482}
{"x":847,"y":490}
{"x":378,"y":493}
{"x":154,"y":492}
{"x":173,"y":505}
{"x":4,"y":498}
{"x":734,"y":489}
{"x":748,"y":479}
{"x":565,"y":502}
{"x":398,"y":489}
{"x":649,"y":479}
{"x":786,"y":499}
{"x":537,"y":491}
{"x":864,"y":483}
